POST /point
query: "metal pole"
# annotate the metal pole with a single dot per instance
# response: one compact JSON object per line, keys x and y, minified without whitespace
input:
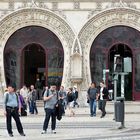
{"x":115,"y":87}
{"x":115,"y":91}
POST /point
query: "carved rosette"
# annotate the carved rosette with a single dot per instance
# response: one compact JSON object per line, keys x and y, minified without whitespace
{"x":98,"y":23}
{"x":43,"y":18}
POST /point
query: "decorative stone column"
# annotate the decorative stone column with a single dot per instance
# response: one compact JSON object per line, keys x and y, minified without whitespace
{"x":1,"y":87}
{"x":76,"y":68}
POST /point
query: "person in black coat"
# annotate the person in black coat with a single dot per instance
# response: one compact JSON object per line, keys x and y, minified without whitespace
{"x":103,"y":96}
{"x":75,"y":92}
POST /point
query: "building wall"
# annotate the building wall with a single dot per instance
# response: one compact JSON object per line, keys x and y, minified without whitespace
{"x":76,"y":23}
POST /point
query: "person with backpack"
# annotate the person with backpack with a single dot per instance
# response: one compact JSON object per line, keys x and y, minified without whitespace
{"x":75,"y":91}
{"x":51,"y":99}
{"x":70,"y":100}
{"x":11,"y":109}
{"x":102,"y":96}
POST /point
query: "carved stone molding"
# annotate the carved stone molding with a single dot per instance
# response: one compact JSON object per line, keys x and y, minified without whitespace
{"x":11,"y":4}
{"x":76,"y":47}
{"x":121,"y":4}
{"x":43,"y":18}
{"x":76,"y":5}
{"x":98,"y":23}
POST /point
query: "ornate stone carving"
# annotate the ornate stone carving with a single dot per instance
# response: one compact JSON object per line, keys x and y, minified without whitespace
{"x":120,"y":4}
{"x":61,"y":13}
{"x":38,"y":17}
{"x":54,"y":6}
{"x":11,"y":4}
{"x":76,"y":47}
{"x":76,"y":5}
{"x":95,"y":11}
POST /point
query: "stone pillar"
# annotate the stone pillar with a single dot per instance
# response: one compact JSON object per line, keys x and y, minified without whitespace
{"x":1,"y":87}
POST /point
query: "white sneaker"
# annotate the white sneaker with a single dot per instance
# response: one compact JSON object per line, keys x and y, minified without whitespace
{"x":43,"y":132}
{"x":53,"y":132}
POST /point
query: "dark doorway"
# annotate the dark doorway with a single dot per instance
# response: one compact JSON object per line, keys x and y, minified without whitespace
{"x":120,"y":60}
{"x":34,"y":66}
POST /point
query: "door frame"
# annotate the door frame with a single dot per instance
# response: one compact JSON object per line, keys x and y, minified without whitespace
{"x":22,"y":60}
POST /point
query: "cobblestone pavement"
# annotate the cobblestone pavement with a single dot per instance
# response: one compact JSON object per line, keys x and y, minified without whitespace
{"x":80,"y":127}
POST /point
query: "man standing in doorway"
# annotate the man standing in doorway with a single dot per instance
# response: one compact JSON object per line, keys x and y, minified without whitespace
{"x":38,"y":87}
{"x":11,"y":109}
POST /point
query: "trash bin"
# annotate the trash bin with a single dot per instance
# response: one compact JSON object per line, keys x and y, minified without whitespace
{"x":119,"y":109}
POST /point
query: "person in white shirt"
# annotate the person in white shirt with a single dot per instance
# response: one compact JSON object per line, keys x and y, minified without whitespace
{"x":103,"y":96}
{"x":24,"y":93}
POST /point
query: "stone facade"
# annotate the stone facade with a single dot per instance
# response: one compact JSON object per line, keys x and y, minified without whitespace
{"x":75,"y":23}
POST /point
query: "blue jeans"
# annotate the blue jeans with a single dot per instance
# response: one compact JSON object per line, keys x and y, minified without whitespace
{"x":33,"y":107}
{"x":93,"y":104}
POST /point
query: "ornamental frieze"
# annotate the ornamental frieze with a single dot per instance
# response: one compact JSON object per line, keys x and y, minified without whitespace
{"x":113,"y":16}
{"x":37,"y":15}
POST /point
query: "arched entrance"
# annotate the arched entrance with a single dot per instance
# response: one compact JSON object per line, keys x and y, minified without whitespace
{"x":42,"y":18}
{"x":33,"y":52}
{"x":121,"y":41}
{"x":120,"y":60}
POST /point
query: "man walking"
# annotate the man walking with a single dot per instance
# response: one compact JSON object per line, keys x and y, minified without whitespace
{"x":92,"y":96}
{"x":75,"y":92}
{"x":103,"y":96}
{"x":50,"y":98}
{"x":11,"y":109}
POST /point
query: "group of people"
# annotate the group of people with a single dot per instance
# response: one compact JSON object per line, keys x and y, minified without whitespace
{"x":55,"y":104}
{"x":28,"y":96}
{"x":95,"y":94}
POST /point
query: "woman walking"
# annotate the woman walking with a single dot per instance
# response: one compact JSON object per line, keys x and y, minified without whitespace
{"x":70,"y":98}
{"x":103,"y":96}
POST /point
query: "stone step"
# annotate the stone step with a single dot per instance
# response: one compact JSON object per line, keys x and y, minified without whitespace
{"x":40,"y":103}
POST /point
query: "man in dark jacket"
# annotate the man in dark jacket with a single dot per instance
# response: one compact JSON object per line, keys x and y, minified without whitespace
{"x":103,"y":96}
{"x":75,"y":92}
